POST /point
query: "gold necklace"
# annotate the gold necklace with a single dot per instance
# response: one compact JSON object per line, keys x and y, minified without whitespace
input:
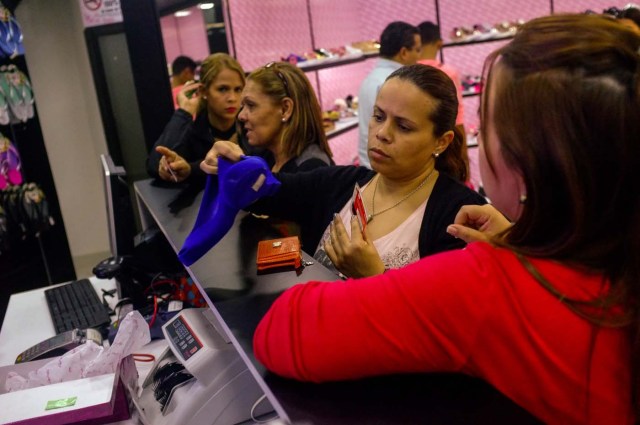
{"x":375,"y":189}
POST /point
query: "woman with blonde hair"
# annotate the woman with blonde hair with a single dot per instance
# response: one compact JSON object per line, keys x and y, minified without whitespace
{"x":409,"y":196}
{"x":282,"y":116}
{"x":207,"y":112}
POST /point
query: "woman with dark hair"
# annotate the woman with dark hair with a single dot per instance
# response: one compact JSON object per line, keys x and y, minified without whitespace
{"x":413,"y":192}
{"x":544,"y":305}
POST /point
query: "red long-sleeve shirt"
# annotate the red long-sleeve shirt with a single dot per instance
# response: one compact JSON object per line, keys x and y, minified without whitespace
{"x":475,"y":311}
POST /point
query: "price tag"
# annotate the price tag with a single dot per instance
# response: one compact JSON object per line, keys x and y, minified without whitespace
{"x":358,"y":208}
{"x":63,"y":402}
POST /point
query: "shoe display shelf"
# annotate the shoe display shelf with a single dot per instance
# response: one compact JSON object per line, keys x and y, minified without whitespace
{"x":485,"y":40}
{"x":471,"y":93}
{"x":348,"y":123}
{"x":342,"y":126}
{"x":317,"y":64}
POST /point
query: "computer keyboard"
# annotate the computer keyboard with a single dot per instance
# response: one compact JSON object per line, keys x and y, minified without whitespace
{"x":76,"y":305}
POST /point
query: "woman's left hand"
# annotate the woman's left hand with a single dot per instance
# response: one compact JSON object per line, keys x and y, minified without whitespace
{"x":355,"y":257}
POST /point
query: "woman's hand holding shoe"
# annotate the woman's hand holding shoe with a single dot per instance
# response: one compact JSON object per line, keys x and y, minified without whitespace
{"x":173,"y":167}
{"x":224,"y":148}
{"x":478,"y":223}
{"x":355,"y":257}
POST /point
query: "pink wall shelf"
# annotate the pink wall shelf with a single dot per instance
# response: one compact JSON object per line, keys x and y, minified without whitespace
{"x":267,"y":30}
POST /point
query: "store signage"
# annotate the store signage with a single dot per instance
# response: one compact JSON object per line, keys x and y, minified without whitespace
{"x":100,"y":12}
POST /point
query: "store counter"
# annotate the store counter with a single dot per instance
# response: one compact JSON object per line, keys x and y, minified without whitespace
{"x":27,"y":322}
{"x":239,"y":298}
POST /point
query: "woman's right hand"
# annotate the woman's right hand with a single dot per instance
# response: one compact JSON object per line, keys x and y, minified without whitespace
{"x":355,"y":255}
{"x":478,"y":223}
{"x":188,"y":97}
{"x":224,"y":148}
{"x":172,"y":167}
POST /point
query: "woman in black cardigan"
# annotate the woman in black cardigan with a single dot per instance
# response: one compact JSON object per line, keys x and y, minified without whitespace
{"x":207,"y":112}
{"x":410,"y":197}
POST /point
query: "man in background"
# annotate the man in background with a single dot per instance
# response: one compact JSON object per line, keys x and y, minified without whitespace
{"x":399,"y":45}
{"x":183,"y":69}
{"x":431,"y":45}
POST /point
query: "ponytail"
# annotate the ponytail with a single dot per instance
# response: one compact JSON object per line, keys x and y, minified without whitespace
{"x":453,"y":160}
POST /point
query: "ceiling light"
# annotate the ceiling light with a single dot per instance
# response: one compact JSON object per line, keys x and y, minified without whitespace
{"x":182,"y":13}
{"x":205,"y":6}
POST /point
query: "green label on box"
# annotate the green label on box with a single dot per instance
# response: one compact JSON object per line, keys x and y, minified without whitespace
{"x":63,"y":402}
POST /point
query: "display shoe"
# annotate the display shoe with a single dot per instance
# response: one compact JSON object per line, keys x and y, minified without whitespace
{"x":6,"y":48}
{"x":293,"y":59}
{"x":10,"y":160}
{"x":15,"y":34}
{"x":483,"y":32}
{"x":236,"y":186}
{"x":460,"y":34}
{"x":612,"y":11}
{"x":14,"y":176}
{"x":10,"y":34}
{"x":35,"y":207}
{"x":20,"y":96}
{"x":26,"y":95}
{"x":505,"y":29}
{"x":4,"y":108}
{"x":11,"y":94}
{"x":4,"y":168}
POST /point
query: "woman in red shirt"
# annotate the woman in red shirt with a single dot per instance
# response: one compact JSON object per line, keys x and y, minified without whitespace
{"x":544,"y":304}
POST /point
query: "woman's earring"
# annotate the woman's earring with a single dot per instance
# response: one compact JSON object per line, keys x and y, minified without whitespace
{"x":523,"y":199}
{"x":436,"y":154}
{"x":284,"y":119}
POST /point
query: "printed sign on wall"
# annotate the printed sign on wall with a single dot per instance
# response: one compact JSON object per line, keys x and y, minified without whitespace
{"x":100,"y":12}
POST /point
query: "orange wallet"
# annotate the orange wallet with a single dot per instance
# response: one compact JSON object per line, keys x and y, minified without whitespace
{"x":282,"y":252}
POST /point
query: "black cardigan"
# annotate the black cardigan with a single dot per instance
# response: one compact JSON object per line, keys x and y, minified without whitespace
{"x":191,"y":139}
{"x":311,"y":199}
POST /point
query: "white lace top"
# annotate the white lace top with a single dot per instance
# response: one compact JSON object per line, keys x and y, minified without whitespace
{"x":396,"y":249}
